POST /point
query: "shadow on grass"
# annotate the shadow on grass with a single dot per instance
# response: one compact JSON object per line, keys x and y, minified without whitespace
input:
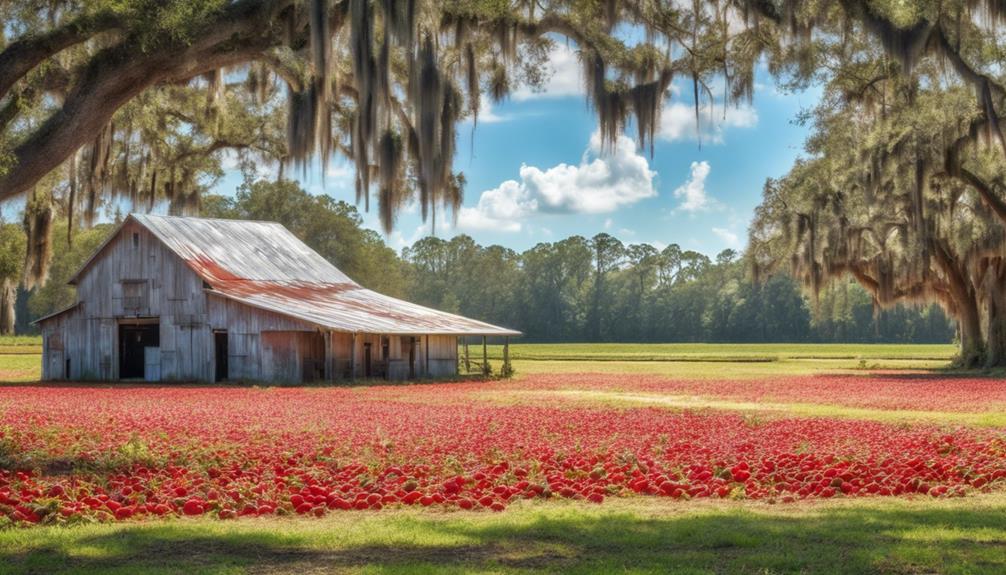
{"x":858,"y":539}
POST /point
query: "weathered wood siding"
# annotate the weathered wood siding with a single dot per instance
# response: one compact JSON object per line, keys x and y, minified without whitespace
{"x":292,"y":356}
{"x":245,"y":326}
{"x":443,"y":356}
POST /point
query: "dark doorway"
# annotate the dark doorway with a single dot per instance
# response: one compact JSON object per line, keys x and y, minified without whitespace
{"x":133,"y":341}
{"x":412,"y":358}
{"x":220,"y":353}
{"x":367,"y":372}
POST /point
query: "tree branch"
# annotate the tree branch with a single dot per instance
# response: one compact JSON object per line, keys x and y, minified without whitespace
{"x":23,"y":55}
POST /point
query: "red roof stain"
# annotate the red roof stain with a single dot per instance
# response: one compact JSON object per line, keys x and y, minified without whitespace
{"x":301,"y":291}
{"x":211,"y":271}
{"x":318,"y":293}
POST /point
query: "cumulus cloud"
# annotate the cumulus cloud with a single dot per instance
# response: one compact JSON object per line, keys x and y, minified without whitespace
{"x":599,"y":184}
{"x":693,"y":192}
{"x":677,"y":122}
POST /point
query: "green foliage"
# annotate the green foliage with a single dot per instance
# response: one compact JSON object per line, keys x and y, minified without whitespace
{"x":12,"y":248}
{"x":57,"y":294}
{"x":162,"y":22}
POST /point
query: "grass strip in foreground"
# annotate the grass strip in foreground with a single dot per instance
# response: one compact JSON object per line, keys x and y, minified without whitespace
{"x":954,"y":536}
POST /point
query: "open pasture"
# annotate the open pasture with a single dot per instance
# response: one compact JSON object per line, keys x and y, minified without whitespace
{"x":899,"y":471}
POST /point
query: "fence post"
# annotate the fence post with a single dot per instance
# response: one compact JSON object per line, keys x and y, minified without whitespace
{"x":485,"y":357}
{"x":506,"y":357}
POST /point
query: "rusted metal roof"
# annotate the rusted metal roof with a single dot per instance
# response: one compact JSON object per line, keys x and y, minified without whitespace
{"x":263,"y":265}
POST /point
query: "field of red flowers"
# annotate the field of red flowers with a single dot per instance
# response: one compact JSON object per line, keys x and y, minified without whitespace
{"x":888,"y":391}
{"x":84,"y":453}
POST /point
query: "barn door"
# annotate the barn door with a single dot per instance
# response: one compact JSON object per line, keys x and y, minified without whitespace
{"x":412,"y":357}
{"x":152,"y":363}
{"x":220,"y":349}
{"x":56,"y":364}
{"x":54,"y":368}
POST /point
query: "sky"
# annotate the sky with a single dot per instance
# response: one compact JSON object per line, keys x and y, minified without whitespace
{"x":536,"y":171}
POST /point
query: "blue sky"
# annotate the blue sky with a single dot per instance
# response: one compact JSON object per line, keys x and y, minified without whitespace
{"x":535,"y":172}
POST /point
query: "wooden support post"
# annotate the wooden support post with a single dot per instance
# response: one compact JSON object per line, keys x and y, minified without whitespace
{"x":485,"y":357}
{"x":329,"y":359}
{"x":468,"y":361}
{"x":426,"y":367}
{"x":352,"y":358}
{"x":506,"y":357}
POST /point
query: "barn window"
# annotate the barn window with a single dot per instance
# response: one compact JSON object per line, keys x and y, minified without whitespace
{"x":134,"y":295}
{"x":136,"y":240}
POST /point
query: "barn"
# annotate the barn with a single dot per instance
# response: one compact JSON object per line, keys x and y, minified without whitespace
{"x":195,"y":299}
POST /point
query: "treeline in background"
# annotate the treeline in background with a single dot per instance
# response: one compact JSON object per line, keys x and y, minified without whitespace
{"x":576,"y":290}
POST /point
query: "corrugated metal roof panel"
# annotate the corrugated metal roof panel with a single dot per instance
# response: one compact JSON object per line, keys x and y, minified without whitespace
{"x":263,"y":265}
{"x":237,"y":249}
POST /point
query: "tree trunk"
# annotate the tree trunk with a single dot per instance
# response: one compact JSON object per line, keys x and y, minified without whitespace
{"x":972,"y":348}
{"x":962,"y":293}
{"x":994,"y":314}
{"x":8,"y":300}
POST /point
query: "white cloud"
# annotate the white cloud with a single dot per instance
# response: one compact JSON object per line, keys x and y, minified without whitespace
{"x":693,"y":191}
{"x":677,"y":122}
{"x":601,"y":183}
{"x":566,"y":77}
{"x":608,"y":223}
{"x":730,"y":238}
{"x":487,"y":115}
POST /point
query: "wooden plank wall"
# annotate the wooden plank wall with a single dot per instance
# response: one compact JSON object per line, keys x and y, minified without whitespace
{"x":245,"y":326}
{"x":443,"y":356}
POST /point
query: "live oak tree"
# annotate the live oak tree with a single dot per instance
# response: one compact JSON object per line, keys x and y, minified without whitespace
{"x":901,"y":193}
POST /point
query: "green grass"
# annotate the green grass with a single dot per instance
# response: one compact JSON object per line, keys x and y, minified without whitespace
{"x":721,"y":369}
{"x":20,"y":368}
{"x":20,"y":341}
{"x":21,"y":362}
{"x":957,"y":536}
{"x":716,"y":351}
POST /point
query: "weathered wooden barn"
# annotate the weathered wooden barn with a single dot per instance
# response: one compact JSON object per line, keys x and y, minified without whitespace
{"x":192,"y":299}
